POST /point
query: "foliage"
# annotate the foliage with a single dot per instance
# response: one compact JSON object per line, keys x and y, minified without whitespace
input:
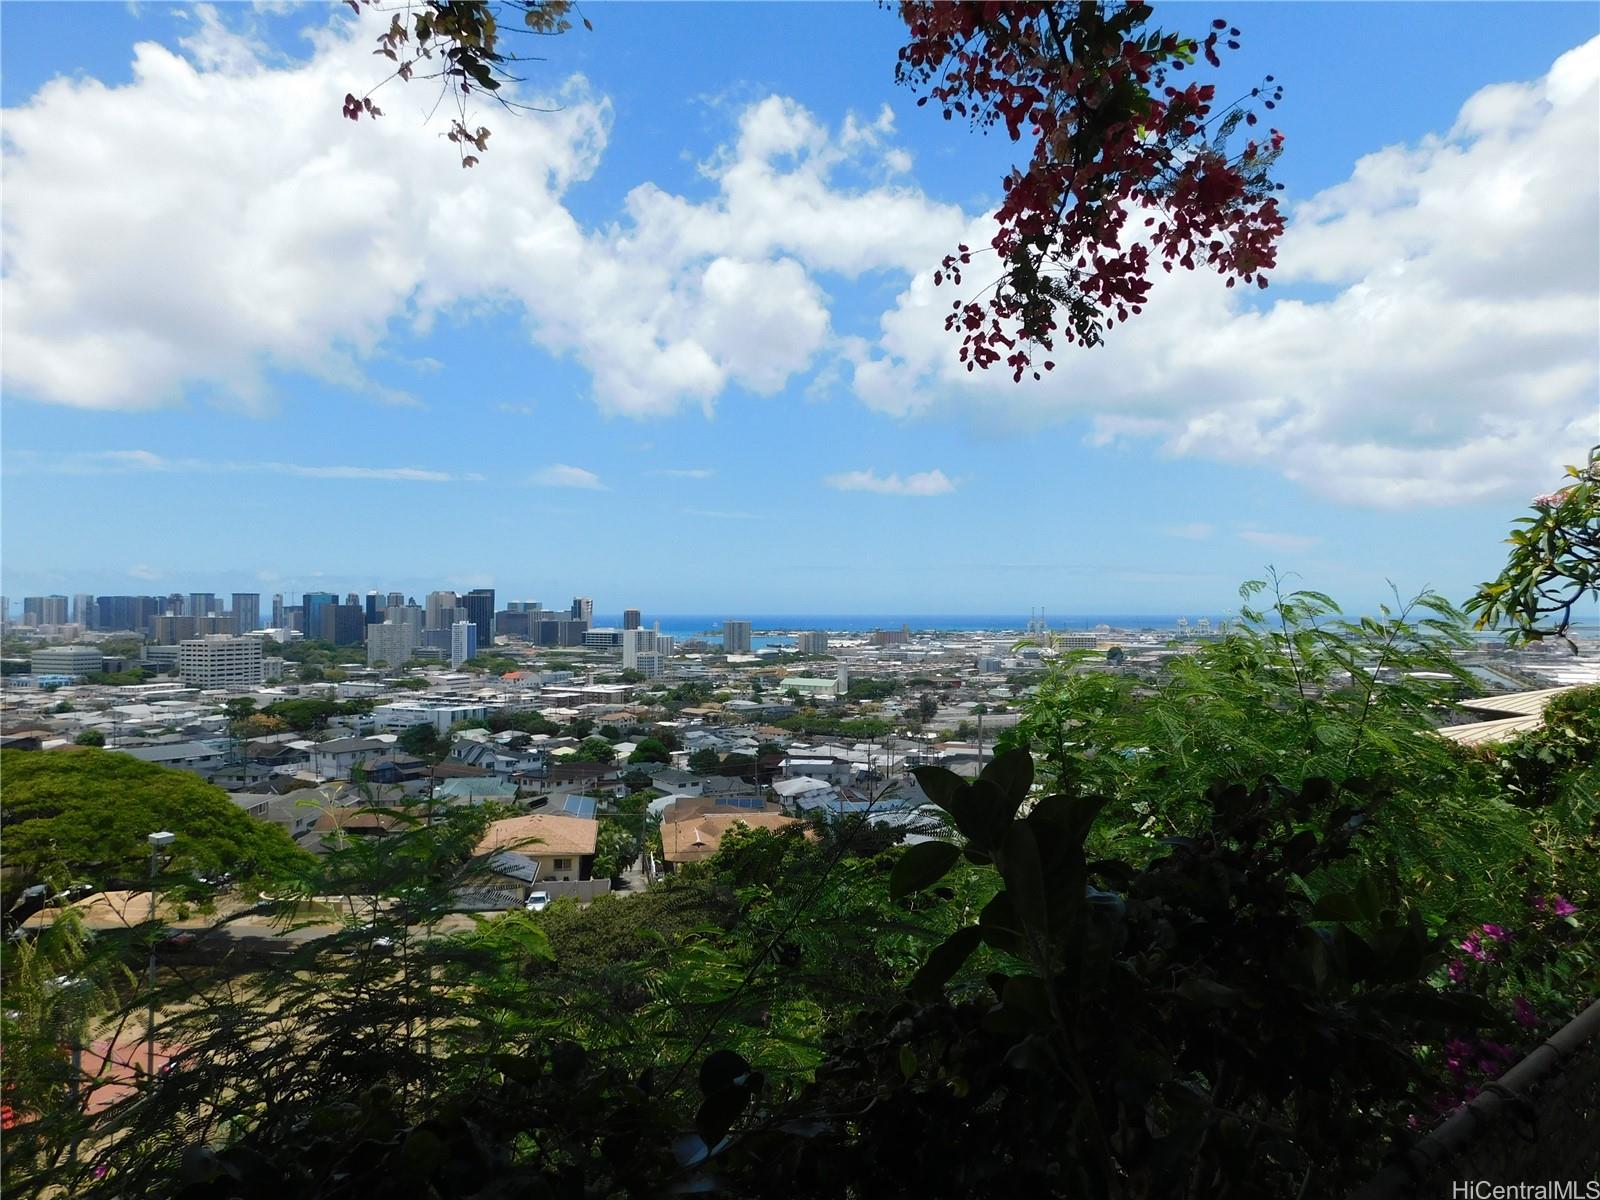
{"x":90,"y":737}
{"x":493,"y":664}
{"x":872,"y":689}
{"x":595,"y":750}
{"x":411,"y":685}
{"x":84,"y":815}
{"x":422,"y":740}
{"x":119,"y":678}
{"x":705,"y":761}
{"x":311,"y":716}
{"x":1554,"y":564}
{"x":1111,"y":141}
{"x":616,"y":849}
{"x":650,"y":750}
{"x":827,"y":725}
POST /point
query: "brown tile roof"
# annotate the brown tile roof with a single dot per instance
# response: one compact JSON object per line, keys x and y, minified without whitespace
{"x":543,"y":833}
{"x":696,"y":837}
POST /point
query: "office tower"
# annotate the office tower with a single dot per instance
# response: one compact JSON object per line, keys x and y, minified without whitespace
{"x":66,"y":660}
{"x":512,"y":623}
{"x":202,"y":604}
{"x":375,"y":607}
{"x":479,"y":603}
{"x":811,"y":641}
{"x":45,"y":610}
{"x":634,"y":643}
{"x":583,"y":609}
{"x":396,"y":600}
{"x":463,"y":642}
{"x":391,"y":643}
{"x":343,"y":624}
{"x":312,"y":604}
{"x":213,"y":662}
{"x":351,"y":599}
{"x":736,"y":637}
{"x":83,"y":609}
{"x":439,"y":607}
{"x":246,"y":612}
{"x":407,"y":614}
{"x":630,"y":618}
{"x":277,"y":610}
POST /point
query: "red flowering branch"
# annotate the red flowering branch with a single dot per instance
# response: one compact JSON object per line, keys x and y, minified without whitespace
{"x":1087,"y":83}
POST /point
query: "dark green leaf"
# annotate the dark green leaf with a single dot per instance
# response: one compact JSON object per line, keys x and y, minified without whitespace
{"x":920,"y":866}
{"x":945,"y":961}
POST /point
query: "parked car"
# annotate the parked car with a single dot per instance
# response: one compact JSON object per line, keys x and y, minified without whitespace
{"x":537,"y":901}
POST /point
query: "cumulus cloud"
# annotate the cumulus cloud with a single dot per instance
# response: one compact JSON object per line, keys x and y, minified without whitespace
{"x":243,"y":226}
{"x":559,"y":475}
{"x":924,"y":483}
{"x":1441,"y":346}
{"x":117,"y":462}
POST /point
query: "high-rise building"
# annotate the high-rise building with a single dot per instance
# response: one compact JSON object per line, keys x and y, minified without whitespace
{"x":218,"y":662}
{"x":635,"y":642}
{"x":343,"y":624}
{"x":407,"y":614}
{"x":479,"y":603}
{"x":277,"y":610}
{"x":396,"y":600}
{"x":463,"y":642}
{"x":175,"y":606}
{"x":439,"y":607}
{"x":736,"y":637}
{"x":630,"y":618}
{"x":126,"y":612}
{"x":246,"y":612}
{"x":583,"y":609}
{"x":391,"y":643}
{"x":375,"y":607}
{"x":45,"y":610}
{"x":512,"y":623}
{"x":83,"y":609}
{"x":312,"y":603}
{"x":350,"y":598}
{"x":202,"y":604}
{"x":811,"y":641}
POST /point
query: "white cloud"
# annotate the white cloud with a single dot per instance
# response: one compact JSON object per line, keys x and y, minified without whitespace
{"x":1194,"y":531}
{"x":1288,"y":542}
{"x":1454,"y":360}
{"x":144,"y":571}
{"x":686,"y":472}
{"x":252,"y":229}
{"x":924,"y":483}
{"x":560,"y":475}
{"x":117,"y":462}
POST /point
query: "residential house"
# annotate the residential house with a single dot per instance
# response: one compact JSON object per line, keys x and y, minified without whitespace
{"x":563,"y":846}
{"x":695,"y":836}
{"x":333,"y":759}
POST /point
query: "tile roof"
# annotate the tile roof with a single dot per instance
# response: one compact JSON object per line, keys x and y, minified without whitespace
{"x":541,"y":834}
{"x":696,"y":838}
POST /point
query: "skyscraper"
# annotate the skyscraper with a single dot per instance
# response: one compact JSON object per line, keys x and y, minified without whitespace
{"x":277,"y":610}
{"x":45,"y":610}
{"x":202,"y":604}
{"x":83,"y":609}
{"x":479,"y":603}
{"x":439,"y":607}
{"x":246,"y":612}
{"x":352,"y":600}
{"x":630,"y":618}
{"x":736,"y":637}
{"x":342,"y":624}
{"x":313,"y":603}
{"x":463,"y":642}
{"x":583,"y":609}
{"x":396,"y":599}
{"x":375,"y":607}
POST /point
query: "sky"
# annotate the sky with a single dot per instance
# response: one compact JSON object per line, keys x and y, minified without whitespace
{"x":674,"y":342}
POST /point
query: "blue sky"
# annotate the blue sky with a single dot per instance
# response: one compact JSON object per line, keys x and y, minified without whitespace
{"x":668,"y":347}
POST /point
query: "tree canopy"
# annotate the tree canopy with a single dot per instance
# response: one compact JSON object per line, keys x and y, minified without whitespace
{"x":84,"y":815}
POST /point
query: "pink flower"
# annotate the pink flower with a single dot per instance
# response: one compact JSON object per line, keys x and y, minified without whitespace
{"x":1538,"y":904}
{"x":1524,"y":1013}
{"x":1458,"y":971}
{"x":1562,"y":907}
{"x":1497,"y":933}
{"x":1552,"y":499}
{"x":1475,"y":948}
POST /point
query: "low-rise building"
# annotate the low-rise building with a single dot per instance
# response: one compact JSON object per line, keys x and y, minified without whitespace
{"x":66,"y":660}
{"x":562,"y":846}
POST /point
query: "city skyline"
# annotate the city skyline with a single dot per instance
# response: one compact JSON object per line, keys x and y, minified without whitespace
{"x":768,"y":419}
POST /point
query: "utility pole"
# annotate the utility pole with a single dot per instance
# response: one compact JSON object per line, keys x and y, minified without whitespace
{"x":158,"y":842}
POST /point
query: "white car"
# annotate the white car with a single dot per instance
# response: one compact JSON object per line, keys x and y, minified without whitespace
{"x":537,"y":901}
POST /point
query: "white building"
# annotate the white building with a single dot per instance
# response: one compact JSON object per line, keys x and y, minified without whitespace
{"x":463,"y":643}
{"x":736,"y":637}
{"x":66,"y":660}
{"x":221,"y":661}
{"x":392,"y":642}
{"x":652,"y":664}
{"x":405,"y":713}
{"x":634,"y":643}
{"x":811,"y":641}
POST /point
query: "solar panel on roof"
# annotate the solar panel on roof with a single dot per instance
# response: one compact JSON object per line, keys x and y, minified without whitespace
{"x":579,"y":806}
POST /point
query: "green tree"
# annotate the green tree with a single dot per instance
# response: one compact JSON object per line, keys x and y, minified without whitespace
{"x":90,"y":737}
{"x":421,"y":740}
{"x":595,"y":749}
{"x":705,"y":761}
{"x":928,"y":706}
{"x":650,"y":750}
{"x":580,"y":728}
{"x":616,"y":848}
{"x":83,"y":816}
